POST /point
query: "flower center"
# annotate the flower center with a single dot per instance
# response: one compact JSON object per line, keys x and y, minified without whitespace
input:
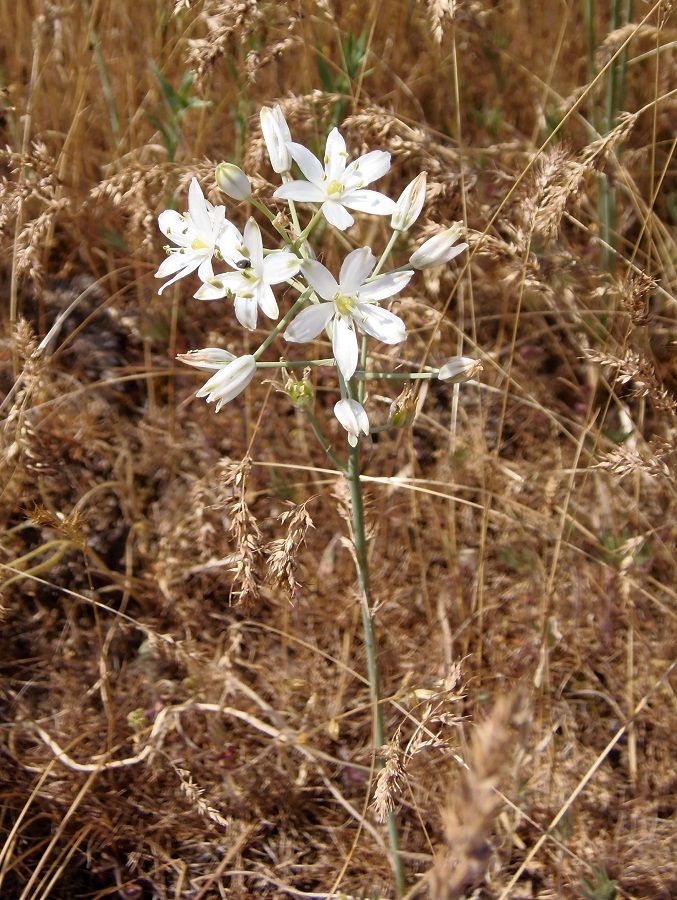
{"x":334,"y":187}
{"x":345,"y":305}
{"x":198,"y":244}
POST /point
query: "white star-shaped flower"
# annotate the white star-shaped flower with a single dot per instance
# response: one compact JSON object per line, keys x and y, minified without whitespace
{"x":254,"y":275}
{"x":195,"y":234}
{"x":336,"y":185}
{"x":350,"y":304}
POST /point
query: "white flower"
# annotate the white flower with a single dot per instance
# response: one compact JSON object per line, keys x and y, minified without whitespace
{"x":353,"y":417}
{"x":229,"y":381}
{"x":209,"y":358}
{"x":251,"y":283}
{"x":337,"y":186}
{"x":195,"y":233}
{"x":352,"y":303}
{"x":276,"y":134}
{"x":410,"y":204}
{"x":232,"y":181}
{"x":459,"y":368}
{"x":439,"y":249}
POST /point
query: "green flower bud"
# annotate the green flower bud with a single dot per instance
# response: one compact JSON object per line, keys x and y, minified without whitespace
{"x":232,"y":181}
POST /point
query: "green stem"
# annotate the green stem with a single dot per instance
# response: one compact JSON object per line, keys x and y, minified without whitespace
{"x":386,"y":253}
{"x":361,"y":387}
{"x":362,"y":565}
{"x":272,"y":218}
{"x":284,"y":321}
{"x":295,"y":363}
{"x":286,"y":178}
{"x":324,"y":443}
{"x":396,"y":376}
{"x":317,"y":215}
{"x":607,"y":198}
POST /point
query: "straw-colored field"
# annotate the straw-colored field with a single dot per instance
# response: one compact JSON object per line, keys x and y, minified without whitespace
{"x":186,"y":707}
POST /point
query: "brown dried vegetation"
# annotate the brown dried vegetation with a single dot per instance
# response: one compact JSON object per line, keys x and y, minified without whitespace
{"x":160,"y":739}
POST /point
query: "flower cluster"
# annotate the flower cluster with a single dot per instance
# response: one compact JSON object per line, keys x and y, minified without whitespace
{"x":347,"y":308}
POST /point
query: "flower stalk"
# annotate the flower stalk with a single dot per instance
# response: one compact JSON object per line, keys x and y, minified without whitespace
{"x":362,"y":566}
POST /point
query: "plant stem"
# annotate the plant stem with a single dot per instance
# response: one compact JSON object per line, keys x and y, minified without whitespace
{"x":386,"y":253}
{"x":270,"y":215}
{"x":362,"y":565}
{"x":361,"y":387}
{"x":396,"y":376}
{"x":317,"y":215}
{"x":282,"y":323}
{"x":287,"y":363}
{"x":324,"y":443}
{"x":607,"y":200}
{"x":286,"y":178}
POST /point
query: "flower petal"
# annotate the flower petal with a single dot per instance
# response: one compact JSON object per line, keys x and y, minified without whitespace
{"x":276,"y":133}
{"x":210,"y":358}
{"x":337,"y":215}
{"x":205,"y":271}
{"x":279,"y":266}
{"x":307,"y":162}
{"x":174,"y":262}
{"x":302,"y":191}
{"x":357,"y":266}
{"x":217,"y":288}
{"x":229,"y":381}
{"x":369,"y":202}
{"x":266,"y":300}
{"x":246,"y":310}
{"x":381,"y":324}
{"x":352,"y":416}
{"x":366,"y":169}
{"x":230,"y":243}
{"x":175,"y":227}
{"x":197,"y":207}
{"x":385,"y":285}
{"x":309,"y":323}
{"x":335,"y":155}
{"x":320,"y":278}
{"x":254,"y":244}
{"x":344,"y":345}
{"x":192,"y":262}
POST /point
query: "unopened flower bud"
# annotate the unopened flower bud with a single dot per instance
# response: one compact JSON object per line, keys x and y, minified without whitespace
{"x":208,"y":358}
{"x":403,"y":409}
{"x":439,"y":249}
{"x":276,"y":134}
{"x":299,"y":391}
{"x":410,"y":204}
{"x":353,"y":418}
{"x":232,"y":181}
{"x":459,"y":368}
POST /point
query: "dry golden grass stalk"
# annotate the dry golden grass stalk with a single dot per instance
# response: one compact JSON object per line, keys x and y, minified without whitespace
{"x":389,"y":781}
{"x":195,"y":795}
{"x":244,"y":531}
{"x":639,"y":374}
{"x":283,"y":552}
{"x":473,"y":804}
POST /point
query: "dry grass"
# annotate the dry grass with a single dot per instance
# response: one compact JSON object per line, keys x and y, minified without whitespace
{"x":160,"y":739}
